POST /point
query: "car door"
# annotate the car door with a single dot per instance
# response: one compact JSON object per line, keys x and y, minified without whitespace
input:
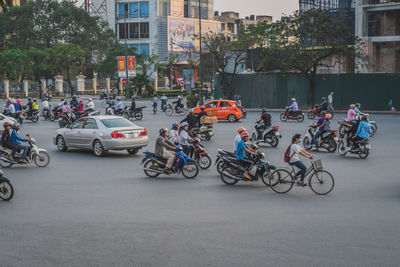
{"x":88,"y":132}
{"x":224,"y":110}
{"x":73,"y":135}
{"x":211,"y":108}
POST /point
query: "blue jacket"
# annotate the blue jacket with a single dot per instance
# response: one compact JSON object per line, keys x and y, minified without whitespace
{"x":364,"y":129}
{"x":241,"y":150}
{"x":15,"y":138}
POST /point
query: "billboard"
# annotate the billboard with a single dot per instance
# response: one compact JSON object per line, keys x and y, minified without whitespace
{"x":180,"y":34}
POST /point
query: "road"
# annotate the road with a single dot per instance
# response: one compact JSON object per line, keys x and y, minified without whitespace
{"x":88,"y":211}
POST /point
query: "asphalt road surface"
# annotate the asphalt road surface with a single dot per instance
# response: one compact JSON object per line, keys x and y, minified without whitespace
{"x":88,"y":211}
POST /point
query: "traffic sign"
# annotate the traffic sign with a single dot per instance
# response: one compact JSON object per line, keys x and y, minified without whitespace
{"x":123,"y":81}
{"x":182,"y":83}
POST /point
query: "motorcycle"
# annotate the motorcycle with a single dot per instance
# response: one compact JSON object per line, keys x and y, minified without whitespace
{"x":222,"y":155}
{"x":362,"y":150}
{"x":294,"y":115}
{"x":154,"y":165}
{"x":137,"y":113}
{"x":200,"y":155}
{"x":35,"y":154}
{"x":344,"y":126}
{"x":6,"y":188}
{"x":163,"y":105}
{"x":56,"y":112}
{"x":205,"y":132}
{"x":244,"y":111}
{"x":155,"y":108}
{"x":233,"y":172}
{"x":69,"y":118}
{"x":317,"y":112}
{"x":34,"y":117}
{"x":327,"y":140}
{"x":270,"y":135}
{"x":47,"y":113}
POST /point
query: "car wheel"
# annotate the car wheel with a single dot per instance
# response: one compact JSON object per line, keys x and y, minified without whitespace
{"x":61,"y":144}
{"x":98,"y":149}
{"x":231,"y":118}
{"x":133,"y":151}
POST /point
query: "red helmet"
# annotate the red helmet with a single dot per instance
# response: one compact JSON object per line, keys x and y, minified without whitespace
{"x":81,"y":101}
{"x":6,"y":124}
{"x":244,"y":134}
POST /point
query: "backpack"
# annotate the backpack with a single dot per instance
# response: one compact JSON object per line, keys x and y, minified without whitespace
{"x":287,"y":156}
{"x":5,"y":138}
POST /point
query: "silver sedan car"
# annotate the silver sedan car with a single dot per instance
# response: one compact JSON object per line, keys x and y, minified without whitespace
{"x":102,"y":133}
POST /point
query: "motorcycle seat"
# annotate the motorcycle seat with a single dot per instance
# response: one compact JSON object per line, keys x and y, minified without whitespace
{"x":155,"y":156}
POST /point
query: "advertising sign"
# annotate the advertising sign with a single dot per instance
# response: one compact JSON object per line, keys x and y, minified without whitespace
{"x":180,"y":34}
{"x":131,"y":66}
{"x":121,"y":67}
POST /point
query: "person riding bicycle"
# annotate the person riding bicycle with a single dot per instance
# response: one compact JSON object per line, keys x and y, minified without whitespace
{"x":164,"y":100}
{"x":6,"y":140}
{"x":16,"y":140}
{"x":324,"y":126}
{"x":241,"y":155}
{"x":363,"y":131}
{"x":165,"y":149}
{"x":201,"y":114}
{"x":295,"y":150}
{"x":238,"y":137}
{"x":293,"y":107}
{"x":119,"y":107}
{"x":191,"y":119}
{"x":174,"y":133}
{"x":266,"y":119}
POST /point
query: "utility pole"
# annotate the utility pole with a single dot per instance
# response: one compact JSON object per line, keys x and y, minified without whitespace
{"x":126,"y":55}
{"x":201,"y":80}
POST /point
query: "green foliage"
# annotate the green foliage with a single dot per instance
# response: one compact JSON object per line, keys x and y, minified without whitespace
{"x":108,"y":66}
{"x":145,"y":69}
{"x":12,"y":63}
{"x":192,"y":98}
{"x":171,"y":93}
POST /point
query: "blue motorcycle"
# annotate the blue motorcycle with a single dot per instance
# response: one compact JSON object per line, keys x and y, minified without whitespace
{"x":154,"y":165}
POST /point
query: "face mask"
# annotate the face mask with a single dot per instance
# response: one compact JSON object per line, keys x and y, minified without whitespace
{"x":300,"y":140}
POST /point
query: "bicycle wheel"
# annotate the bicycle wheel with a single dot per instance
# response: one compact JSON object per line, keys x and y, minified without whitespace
{"x":169,"y":111}
{"x":281,"y":181}
{"x":321,"y":182}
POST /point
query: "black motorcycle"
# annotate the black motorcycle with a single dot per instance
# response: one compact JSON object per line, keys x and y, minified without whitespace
{"x":233,"y":171}
{"x":164,"y":105}
{"x":269,"y":136}
{"x":6,"y":188}
{"x":137,"y":113}
{"x":361,"y":147}
{"x":327,"y":140}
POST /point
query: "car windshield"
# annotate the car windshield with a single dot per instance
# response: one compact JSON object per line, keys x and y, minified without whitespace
{"x":117,"y":122}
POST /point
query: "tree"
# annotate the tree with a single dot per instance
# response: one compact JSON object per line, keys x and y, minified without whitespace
{"x":38,"y":61}
{"x":5,"y":4}
{"x":108,"y":66}
{"x":304,"y":42}
{"x":145,"y":69}
{"x":12,"y":63}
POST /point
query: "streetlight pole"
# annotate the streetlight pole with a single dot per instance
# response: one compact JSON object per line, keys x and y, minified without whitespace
{"x":126,"y":56}
{"x":200,"y":50}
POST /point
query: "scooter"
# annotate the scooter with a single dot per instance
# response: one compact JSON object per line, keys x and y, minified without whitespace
{"x":34,"y":117}
{"x":200,"y":155}
{"x":6,"y":188}
{"x":327,"y":140}
{"x":35,"y":154}
{"x":270,"y":135}
{"x":137,"y":113}
{"x":294,"y":115}
{"x":154,"y":165}
{"x":317,"y":112}
{"x":361,"y":147}
{"x":205,"y":132}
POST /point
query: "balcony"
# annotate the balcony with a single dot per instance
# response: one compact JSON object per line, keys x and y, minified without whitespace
{"x":377,"y":2}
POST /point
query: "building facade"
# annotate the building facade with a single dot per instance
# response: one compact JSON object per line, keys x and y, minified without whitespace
{"x":231,"y":22}
{"x":378,"y":26}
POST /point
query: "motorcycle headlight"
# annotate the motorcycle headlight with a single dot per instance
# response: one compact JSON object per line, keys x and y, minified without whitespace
{"x":262,"y":155}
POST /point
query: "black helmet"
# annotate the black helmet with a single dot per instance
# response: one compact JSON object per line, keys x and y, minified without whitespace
{"x":29,"y":99}
{"x":133,"y":97}
{"x":74,"y":97}
{"x":163,"y":130}
{"x":264,"y":110}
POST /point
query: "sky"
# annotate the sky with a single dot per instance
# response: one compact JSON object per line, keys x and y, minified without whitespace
{"x":245,"y":8}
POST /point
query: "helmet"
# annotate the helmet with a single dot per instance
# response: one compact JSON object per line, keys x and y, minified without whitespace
{"x":133,"y":97}
{"x":163,"y":94}
{"x":163,"y":130}
{"x":175,"y":124}
{"x":196,"y":140}
{"x":90,"y":99}
{"x":264,"y":110}
{"x":293,"y":99}
{"x":62,"y":99}
{"x":74,"y":97}
{"x":34,"y":100}
{"x":81,"y":101}
{"x":183,"y":124}
{"x":8,"y":101}
{"x":352,"y":106}
{"x":16,"y":125}
{"x":244,"y":134}
{"x":241,"y":129}
{"x":29,"y":99}
{"x":6,"y":124}
{"x":118,"y":98}
{"x":202,"y":107}
{"x":358,"y":104}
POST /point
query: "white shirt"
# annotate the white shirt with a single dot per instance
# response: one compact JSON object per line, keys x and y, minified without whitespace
{"x":173,"y":135}
{"x":90,"y":105}
{"x":45,"y":104}
{"x":237,"y":140}
{"x":183,"y":138}
{"x":119,"y":105}
{"x":11,"y":108}
{"x":61,"y":104}
{"x":294,"y":148}
{"x":330,"y":99}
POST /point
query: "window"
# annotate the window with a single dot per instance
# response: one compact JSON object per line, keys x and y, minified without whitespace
{"x":224,"y":104}
{"x":144,"y":9}
{"x":134,"y":30}
{"x":223,"y":27}
{"x":133,"y":10}
{"x":123,"y":30}
{"x":144,"y":30}
{"x":212,"y":105}
{"x":115,"y":123}
{"x":79,"y":124}
{"x":90,"y":124}
{"x":145,"y":49}
{"x":122,"y":10}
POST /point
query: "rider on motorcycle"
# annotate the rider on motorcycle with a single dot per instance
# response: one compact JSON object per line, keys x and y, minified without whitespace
{"x":110,"y":102}
{"x":61,"y":102}
{"x":201,"y":114}
{"x":357,"y":109}
{"x":16,"y":140}
{"x":174,"y":133}
{"x":90,"y":105}
{"x":191,"y":119}
{"x":74,"y":102}
{"x":119,"y":107}
{"x":79,"y":109}
{"x":184,"y":138}
{"x":46,"y":106}
{"x":35,"y":105}
{"x":6,"y":140}
{"x":241,"y":155}
{"x":324,"y":124}
{"x":238,"y":137}
{"x":164,"y":100}
{"x":179,"y":103}
{"x":324,"y":105}
{"x":351,"y":114}
{"x":30,"y":108}
{"x":165,"y":149}
{"x":133,"y":104}
{"x":16,"y":106}
{"x":155,"y":101}
{"x":266,"y":118}
{"x":363,"y":131}
{"x":19,"y":103}
{"x":11,"y":109}
{"x":65,"y":108}
{"x":293,"y":107}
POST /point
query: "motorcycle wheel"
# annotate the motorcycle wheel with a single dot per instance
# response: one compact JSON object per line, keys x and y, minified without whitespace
{"x":274,"y":141}
{"x":265,"y":178}
{"x":52,"y":117}
{"x":342,"y":149}
{"x":283,"y":117}
{"x":226,"y":179}
{"x":62,"y":123}
{"x":253,"y":137}
{"x":151,"y":165}
{"x":190,"y":170}
{"x":5,"y":164}
{"x":35,"y":118}
{"x":363,"y":152}
{"x":20,"y":120}
{"x":138,"y":116}
{"x":204,"y":161}
{"x":300,"y":118}
{"x":307,"y":143}
{"x":169,"y":111}
{"x":6,"y":190}
{"x":311,"y":115}
{"x":42,"y":159}
{"x":374,"y":128}
{"x":104,"y":103}
{"x":220,"y":166}
{"x":341,"y":130}
{"x":244,"y":115}
{"x":206,"y":136}
{"x":332,"y":145}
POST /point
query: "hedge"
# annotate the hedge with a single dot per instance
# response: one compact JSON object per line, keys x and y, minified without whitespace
{"x":170,"y":93}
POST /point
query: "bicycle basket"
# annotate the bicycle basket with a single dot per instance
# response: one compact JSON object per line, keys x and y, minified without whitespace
{"x":318,"y":164}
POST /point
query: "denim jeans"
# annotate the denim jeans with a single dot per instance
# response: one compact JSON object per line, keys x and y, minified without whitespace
{"x":299,"y":164}
{"x":25,"y":150}
{"x":315,"y":137}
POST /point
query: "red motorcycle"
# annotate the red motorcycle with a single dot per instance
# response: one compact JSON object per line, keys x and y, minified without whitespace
{"x":292,"y":115}
{"x":316,"y":111}
{"x":199,"y":154}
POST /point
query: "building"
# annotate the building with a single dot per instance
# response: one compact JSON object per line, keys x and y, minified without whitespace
{"x":231,"y":22}
{"x":378,"y":26}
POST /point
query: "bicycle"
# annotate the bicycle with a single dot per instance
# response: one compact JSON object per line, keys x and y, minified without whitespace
{"x":318,"y":179}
